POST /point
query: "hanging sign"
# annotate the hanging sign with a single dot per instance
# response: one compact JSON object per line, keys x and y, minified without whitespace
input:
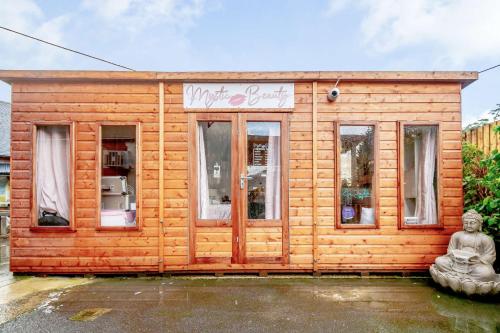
{"x":238,"y":95}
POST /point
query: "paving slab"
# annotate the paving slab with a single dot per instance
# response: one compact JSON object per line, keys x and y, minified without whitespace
{"x":268,"y":304}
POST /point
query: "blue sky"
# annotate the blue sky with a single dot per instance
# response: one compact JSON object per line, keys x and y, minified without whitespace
{"x":188,"y":35}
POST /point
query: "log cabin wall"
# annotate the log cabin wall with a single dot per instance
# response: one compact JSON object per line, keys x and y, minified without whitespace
{"x":315,"y":243}
{"x":301,"y":178}
{"x":86,"y":249}
{"x":388,"y":247}
{"x":176,"y":180}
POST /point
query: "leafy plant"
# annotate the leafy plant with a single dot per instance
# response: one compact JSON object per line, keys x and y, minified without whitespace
{"x":481,"y":184}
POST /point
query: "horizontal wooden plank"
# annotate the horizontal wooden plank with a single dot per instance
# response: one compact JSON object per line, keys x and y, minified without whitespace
{"x":360,"y":115}
{"x":83,"y":261}
{"x":86,"y":107}
{"x":389,"y":107}
{"x":85,"y":252}
{"x":85,"y":97}
{"x":346,"y":97}
{"x":80,"y":87}
{"x":391,"y":88}
{"x":63,"y":241}
{"x":86,"y":116}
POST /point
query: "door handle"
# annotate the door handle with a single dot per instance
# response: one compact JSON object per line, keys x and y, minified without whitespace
{"x":242,"y":180}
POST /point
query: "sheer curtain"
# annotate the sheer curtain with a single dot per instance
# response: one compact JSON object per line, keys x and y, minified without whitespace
{"x":52,"y":170}
{"x":426,"y":210}
{"x":203,"y":198}
{"x":273,"y":176}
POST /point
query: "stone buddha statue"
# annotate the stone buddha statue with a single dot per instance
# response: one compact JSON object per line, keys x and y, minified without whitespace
{"x":468,"y":265}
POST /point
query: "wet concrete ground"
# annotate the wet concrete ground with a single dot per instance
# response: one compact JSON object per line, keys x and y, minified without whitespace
{"x":258,"y":305}
{"x":21,"y":294}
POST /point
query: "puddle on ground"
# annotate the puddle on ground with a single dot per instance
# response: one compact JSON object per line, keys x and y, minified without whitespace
{"x":268,"y":304}
{"x":466,"y":315}
{"x":90,"y":314}
{"x":33,"y":285}
{"x":46,"y":305}
{"x":25,"y":294}
{"x":344,"y":296}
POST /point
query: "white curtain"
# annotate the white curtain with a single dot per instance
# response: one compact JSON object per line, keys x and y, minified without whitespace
{"x":273,"y":176}
{"x":203,"y":198}
{"x":52,"y":170}
{"x":426,"y":210}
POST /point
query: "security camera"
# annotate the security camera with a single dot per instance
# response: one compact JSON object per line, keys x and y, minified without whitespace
{"x":333,"y":94}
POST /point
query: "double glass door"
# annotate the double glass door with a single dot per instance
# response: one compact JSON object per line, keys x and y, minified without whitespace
{"x":239,"y":181}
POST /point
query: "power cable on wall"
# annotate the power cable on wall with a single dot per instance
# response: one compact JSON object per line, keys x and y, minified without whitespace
{"x":67,"y":49}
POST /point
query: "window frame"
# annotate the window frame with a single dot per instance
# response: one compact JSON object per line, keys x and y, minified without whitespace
{"x":7,"y":190}
{"x":34,"y":227}
{"x":193,"y":169}
{"x":376,"y":181}
{"x":138,"y":176}
{"x":284,"y":166}
{"x":439,"y":166}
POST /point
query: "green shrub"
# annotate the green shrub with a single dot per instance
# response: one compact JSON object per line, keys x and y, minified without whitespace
{"x":481,"y":184}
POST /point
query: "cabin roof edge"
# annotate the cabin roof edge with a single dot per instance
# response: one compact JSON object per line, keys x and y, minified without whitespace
{"x":464,"y":77}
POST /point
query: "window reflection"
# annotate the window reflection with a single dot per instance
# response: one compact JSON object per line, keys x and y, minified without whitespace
{"x":420,"y":174}
{"x":357,"y":169}
{"x":118,"y":176}
{"x":214,"y":170}
{"x":263,"y":170}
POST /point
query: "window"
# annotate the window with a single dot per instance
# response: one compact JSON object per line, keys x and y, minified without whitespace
{"x":118,"y":176}
{"x":4,"y":190}
{"x":419,"y":174}
{"x":52,"y":176}
{"x":356,"y":176}
{"x":263,"y":170}
{"x":214,"y":170}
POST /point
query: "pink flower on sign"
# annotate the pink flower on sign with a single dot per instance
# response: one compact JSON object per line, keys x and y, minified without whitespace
{"x":237,"y":99}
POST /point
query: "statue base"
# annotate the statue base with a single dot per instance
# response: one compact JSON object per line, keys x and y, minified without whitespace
{"x":461,"y":283}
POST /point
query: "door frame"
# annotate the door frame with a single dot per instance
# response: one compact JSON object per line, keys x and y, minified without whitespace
{"x":194,"y":222}
{"x":284,"y":158}
{"x":238,"y":163}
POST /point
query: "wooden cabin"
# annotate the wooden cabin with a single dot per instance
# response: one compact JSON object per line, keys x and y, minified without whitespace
{"x":234,"y":171}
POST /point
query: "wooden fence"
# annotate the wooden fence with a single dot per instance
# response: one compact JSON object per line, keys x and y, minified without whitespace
{"x":484,"y":137}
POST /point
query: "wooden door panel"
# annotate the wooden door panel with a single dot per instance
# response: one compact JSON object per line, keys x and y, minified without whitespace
{"x":212,"y":240}
{"x":263,"y":240}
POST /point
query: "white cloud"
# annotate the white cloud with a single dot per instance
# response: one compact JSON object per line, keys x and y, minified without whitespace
{"x":20,"y":15}
{"x":117,"y":19}
{"x":471,"y":118}
{"x":108,"y":9}
{"x":135,"y":15}
{"x":20,"y":52}
{"x":335,"y":6}
{"x":458,"y":31}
